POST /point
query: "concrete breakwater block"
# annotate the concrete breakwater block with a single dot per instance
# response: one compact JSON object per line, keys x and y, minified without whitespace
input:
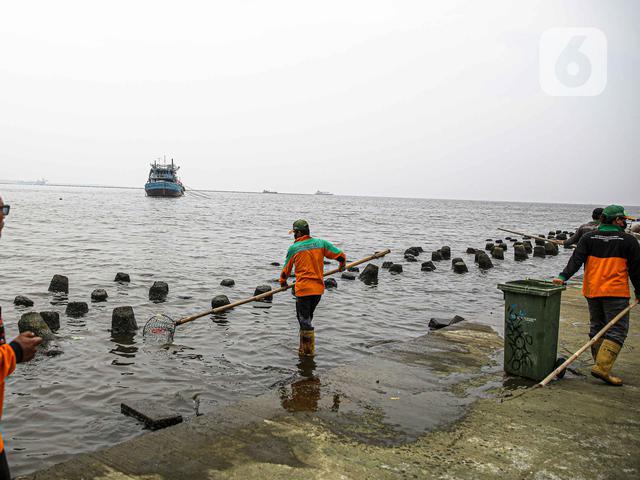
{"x":438,"y":323}
{"x":428,"y":266}
{"x":99,"y":295}
{"x":158,"y":291}
{"x":353,"y":269}
{"x":52,"y":319}
{"x":539,"y":251}
{"x":436,"y":256}
{"x":33,"y":322}
{"x":387,"y":264}
{"x":527,"y":246}
{"x":123,"y":320}
{"x":228,"y":282}
{"x":349,"y":276}
{"x":445,"y":251}
{"x":219,"y":301}
{"x":59,"y":283}
{"x":460,"y":267}
{"x":413,"y":251}
{"x":260,"y":289}
{"x":395,"y":268}
{"x":370,"y":274}
{"x":520,"y":253}
{"x":122,"y":277}
{"x":154,"y":415}
{"x":497,"y":253}
{"x":551,"y":248}
{"x":275,"y":264}
{"x":330,"y":283}
{"x":489,"y":246}
{"x":22,"y":301}
{"x":471,"y":250}
{"x":77,"y":309}
{"x":410,"y":258}
{"x":484,"y":262}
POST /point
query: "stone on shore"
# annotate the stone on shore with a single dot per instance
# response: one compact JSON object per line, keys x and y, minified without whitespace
{"x":484,"y":262}
{"x":52,"y":319}
{"x":349,"y":275}
{"x":59,"y":283}
{"x":158,"y":291}
{"x":219,"y":301}
{"x":539,"y":251}
{"x":33,"y":322}
{"x":330,"y":283}
{"x":497,"y":253}
{"x":386,"y":264}
{"x":445,"y":251}
{"x":122,"y":277}
{"x":428,"y":266}
{"x":154,"y":415}
{"x":77,"y":309}
{"x":99,"y":295}
{"x":22,"y":301}
{"x":520,"y":253}
{"x":436,"y":256}
{"x":123,"y":321}
{"x":370,"y":274}
{"x":260,"y":289}
{"x":228,"y":282}
{"x":395,"y":268}
{"x":460,"y":267}
{"x":438,"y":323}
{"x":551,"y":248}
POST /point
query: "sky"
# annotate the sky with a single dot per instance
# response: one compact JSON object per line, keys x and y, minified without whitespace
{"x":384,"y":98}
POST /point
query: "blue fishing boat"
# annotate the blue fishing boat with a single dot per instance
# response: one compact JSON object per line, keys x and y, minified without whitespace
{"x":163,"y":181}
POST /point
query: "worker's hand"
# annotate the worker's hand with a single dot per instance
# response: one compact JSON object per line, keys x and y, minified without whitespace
{"x":342,"y":267}
{"x":28,"y":342}
{"x":559,"y":281}
{"x":283,"y":283}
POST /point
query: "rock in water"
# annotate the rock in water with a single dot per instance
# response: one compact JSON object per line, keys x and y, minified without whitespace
{"x":22,"y":301}
{"x":410,"y":258}
{"x":437,"y":323}
{"x":370,"y":274}
{"x":219,"y":301}
{"x":520,"y":253}
{"x":428,"y":266}
{"x":460,"y":267}
{"x":445,"y":251}
{"x":561,"y":236}
{"x":395,"y":268}
{"x":497,"y":253}
{"x":275,"y":264}
{"x":122,"y":277}
{"x":331,"y":283}
{"x":33,"y":322}
{"x":99,"y":295}
{"x":412,"y":251}
{"x":228,"y":282}
{"x":52,"y":319}
{"x":158,"y":291}
{"x":76,"y":309}
{"x":551,"y":248}
{"x":504,"y":246}
{"x":353,"y":269}
{"x":484,"y":262}
{"x":539,"y":251}
{"x":456,"y":259}
{"x":436,"y":256}
{"x":59,"y":283}
{"x":471,"y":250}
{"x":349,"y":275}
{"x":260,"y":289}
{"x":527,"y":246}
{"x":123,"y":321}
{"x":386,"y":264}
{"x":489,"y":246}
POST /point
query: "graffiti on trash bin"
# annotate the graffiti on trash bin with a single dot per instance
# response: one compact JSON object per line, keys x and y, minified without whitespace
{"x":518,"y":340}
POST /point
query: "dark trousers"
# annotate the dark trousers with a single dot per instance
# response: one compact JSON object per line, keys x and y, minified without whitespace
{"x":602,"y":310}
{"x":4,"y":467}
{"x":305,"y":306}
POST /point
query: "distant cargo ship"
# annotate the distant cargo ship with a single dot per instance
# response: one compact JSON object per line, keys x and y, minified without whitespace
{"x":320,"y":192}
{"x":163,"y":181}
{"x":269,"y":191}
{"x":42,"y":181}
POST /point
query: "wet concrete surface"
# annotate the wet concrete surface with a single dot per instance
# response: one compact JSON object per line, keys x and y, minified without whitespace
{"x":407,"y":411}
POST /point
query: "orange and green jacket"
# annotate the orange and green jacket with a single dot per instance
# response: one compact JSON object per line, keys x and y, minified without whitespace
{"x":9,"y":354}
{"x":610,"y":257}
{"x":307,"y":256}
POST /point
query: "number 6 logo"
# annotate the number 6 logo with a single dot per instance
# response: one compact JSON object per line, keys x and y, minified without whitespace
{"x":573,"y":62}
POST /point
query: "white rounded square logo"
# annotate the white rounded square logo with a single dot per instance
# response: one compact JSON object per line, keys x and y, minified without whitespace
{"x":573,"y":62}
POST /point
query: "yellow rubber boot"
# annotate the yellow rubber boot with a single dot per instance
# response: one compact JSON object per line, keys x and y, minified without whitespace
{"x":605,"y":359}
{"x":595,"y":348}
{"x":307,"y":343}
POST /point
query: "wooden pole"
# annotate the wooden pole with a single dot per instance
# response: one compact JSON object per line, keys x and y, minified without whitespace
{"x":595,"y":338}
{"x":551,"y":240}
{"x":270,"y":293}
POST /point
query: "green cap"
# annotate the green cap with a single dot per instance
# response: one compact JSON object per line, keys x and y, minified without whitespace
{"x":299,"y":225}
{"x":615,"y":211}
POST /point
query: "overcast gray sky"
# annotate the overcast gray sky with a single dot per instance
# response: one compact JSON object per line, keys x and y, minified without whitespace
{"x":414,"y":99}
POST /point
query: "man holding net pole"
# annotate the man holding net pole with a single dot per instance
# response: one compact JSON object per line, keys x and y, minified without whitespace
{"x":307,"y":256}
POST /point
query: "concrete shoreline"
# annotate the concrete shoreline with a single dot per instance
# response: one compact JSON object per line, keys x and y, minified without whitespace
{"x":437,"y":406}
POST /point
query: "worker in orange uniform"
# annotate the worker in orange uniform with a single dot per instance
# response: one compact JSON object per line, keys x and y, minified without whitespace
{"x":21,"y":349}
{"x":307,"y":256}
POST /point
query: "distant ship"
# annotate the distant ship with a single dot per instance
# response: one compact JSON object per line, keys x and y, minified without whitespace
{"x":42,"y":181}
{"x":163,"y":181}
{"x":269,"y":191}
{"x":320,"y":192}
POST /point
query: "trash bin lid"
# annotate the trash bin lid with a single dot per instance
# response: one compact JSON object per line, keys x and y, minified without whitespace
{"x":539,"y":288}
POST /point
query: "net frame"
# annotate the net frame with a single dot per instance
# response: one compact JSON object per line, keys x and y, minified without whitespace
{"x":160,"y":328}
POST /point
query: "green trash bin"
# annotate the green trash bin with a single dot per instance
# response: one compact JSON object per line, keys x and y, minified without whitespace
{"x":531,"y":319}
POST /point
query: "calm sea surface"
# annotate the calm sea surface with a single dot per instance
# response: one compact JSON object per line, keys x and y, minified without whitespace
{"x":70,"y":403}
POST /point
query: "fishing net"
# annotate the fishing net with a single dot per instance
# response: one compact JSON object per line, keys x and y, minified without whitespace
{"x":159,"y":329}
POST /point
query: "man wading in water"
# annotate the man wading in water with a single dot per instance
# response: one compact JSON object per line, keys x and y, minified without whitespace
{"x":611,"y":257}
{"x":307,"y":256}
{"x":21,"y":349}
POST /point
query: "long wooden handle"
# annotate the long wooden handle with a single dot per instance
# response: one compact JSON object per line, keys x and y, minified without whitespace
{"x":270,"y":293}
{"x":551,"y":240}
{"x":595,"y":338}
